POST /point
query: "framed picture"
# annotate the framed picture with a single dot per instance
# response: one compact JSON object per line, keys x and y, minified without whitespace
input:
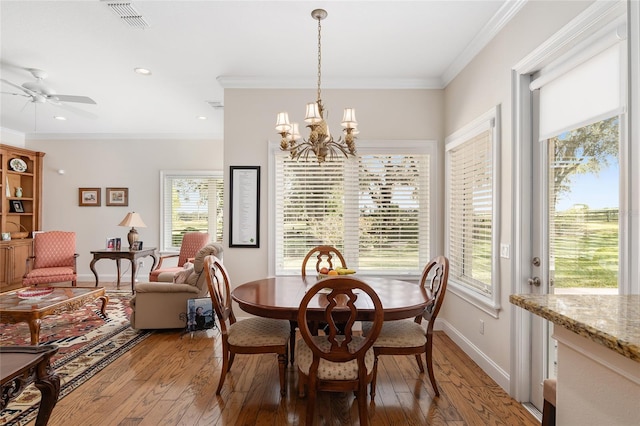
{"x":244,"y":222}
{"x":17,"y":207}
{"x":136,"y":245}
{"x":200,"y":314}
{"x":111,"y":243}
{"x":117,"y":196}
{"x":89,"y":197}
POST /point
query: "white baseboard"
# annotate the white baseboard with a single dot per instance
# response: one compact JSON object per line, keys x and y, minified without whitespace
{"x":492,"y":369}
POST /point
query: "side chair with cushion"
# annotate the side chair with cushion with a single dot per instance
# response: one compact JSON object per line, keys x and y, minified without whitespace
{"x":249,"y":336}
{"x":326,"y":256}
{"x":163,"y":305}
{"x":53,"y":260}
{"x":409,"y":337}
{"x":191,"y":243}
{"x":337,"y":362}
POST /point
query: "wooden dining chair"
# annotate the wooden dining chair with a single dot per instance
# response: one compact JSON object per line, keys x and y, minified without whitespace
{"x":337,"y":362}
{"x":249,"y":336}
{"x":410,"y":337}
{"x":325,"y":256}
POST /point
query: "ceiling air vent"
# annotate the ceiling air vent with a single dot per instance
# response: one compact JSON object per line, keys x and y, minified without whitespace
{"x":127,"y":13}
{"x":215,"y":104}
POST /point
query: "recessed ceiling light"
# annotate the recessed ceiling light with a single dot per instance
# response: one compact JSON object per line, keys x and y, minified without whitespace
{"x":142,"y":71}
{"x":59,"y":117}
{"x":202,"y":117}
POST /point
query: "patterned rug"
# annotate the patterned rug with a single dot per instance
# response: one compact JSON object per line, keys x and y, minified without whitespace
{"x":87,"y":343}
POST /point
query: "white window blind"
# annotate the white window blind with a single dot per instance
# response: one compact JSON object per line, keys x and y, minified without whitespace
{"x":374,"y":209}
{"x":470,"y":196}
{"x":584,"y":94}
{"x":190,"y":202}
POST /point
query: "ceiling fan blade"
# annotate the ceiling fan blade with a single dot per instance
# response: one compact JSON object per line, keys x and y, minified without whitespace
{"x":16,"y":94}
{"x":71,"y":98}
{"x":15,"y":85}
{"x":77,"y":111}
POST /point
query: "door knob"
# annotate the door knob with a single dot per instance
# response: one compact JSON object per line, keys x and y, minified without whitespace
{"x":534,"y":281}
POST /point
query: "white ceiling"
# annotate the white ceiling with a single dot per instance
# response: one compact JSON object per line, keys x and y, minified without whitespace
{"x":196,"y":48}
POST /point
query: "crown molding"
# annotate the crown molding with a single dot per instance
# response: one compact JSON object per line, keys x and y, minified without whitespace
{"x":123,"y":136}
{"x":502,"y":17}
{"x":255,"y":82}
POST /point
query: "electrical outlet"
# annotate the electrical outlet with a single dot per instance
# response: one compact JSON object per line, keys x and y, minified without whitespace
{"x":481,"y":328}
{"x":504,"y":251}
{"x":140,"y":263}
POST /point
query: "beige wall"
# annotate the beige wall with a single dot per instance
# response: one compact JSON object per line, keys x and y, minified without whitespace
{"x":484,"y":83}
{"x":134,"y":164}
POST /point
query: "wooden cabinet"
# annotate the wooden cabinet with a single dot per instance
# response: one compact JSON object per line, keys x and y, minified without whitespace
{"x":20,"y":210}
{"x":13,"y":258}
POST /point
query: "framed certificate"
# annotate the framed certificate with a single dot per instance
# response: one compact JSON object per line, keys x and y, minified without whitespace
{"x":244,"y":210}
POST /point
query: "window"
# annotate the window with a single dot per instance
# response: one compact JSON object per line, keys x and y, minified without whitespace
{"x":376,"y":208}
{"x":472,"y":210}
{"x":190,"y":201}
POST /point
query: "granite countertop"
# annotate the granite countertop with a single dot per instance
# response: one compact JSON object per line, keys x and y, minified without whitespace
{"x":610,"y":320}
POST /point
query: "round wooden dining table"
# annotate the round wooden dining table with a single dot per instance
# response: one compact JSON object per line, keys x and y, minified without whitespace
{"x":279,"y":298}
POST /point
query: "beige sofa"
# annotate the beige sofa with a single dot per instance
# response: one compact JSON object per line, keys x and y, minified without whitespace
{"x":163,"y":305}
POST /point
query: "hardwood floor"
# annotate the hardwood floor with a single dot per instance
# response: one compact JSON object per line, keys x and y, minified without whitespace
{"x":170,"y":379}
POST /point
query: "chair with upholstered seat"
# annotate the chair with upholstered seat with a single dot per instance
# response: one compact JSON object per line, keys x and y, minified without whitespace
{"x":325,"y":256}
{"x":339,"y":361}
{"x":192,"y":242}
{"x":409,"y":337}
{"x":249,"y":336}
{"x":53,"y":260}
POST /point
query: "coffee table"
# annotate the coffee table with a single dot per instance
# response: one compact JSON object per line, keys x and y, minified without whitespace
{"x":13,"y":309}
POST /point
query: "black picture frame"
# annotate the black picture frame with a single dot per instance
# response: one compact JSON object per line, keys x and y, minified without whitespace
{"x":136,"y":245}
{"x":16,"y":206}
{"x":244,"y":206}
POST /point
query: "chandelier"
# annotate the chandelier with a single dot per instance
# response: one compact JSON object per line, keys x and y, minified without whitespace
{"x":320,"y":141}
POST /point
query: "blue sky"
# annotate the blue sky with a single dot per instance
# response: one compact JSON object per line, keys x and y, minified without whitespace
{"x":596,"y":191}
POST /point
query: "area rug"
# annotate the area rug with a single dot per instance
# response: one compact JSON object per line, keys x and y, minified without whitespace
{"x":87,"y":342}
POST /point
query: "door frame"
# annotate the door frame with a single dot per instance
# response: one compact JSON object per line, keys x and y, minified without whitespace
{"x":594,"y":18}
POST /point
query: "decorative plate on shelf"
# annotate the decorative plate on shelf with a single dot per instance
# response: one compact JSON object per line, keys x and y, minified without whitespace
{"x":35,"y":292}
{"x":18,"y":165}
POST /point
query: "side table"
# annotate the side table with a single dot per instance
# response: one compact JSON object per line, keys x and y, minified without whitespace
{"x":22,"y":365}
{"x":118,"y":255}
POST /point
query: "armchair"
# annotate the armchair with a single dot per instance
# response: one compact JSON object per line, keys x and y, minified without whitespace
{"x":161,"y":305}
{"x":53,"y":260}
{"x":191,"y":243}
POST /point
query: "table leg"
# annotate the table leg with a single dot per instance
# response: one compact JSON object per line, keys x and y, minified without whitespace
{"x":49,"y":385}
{"x":93,"y":269}
{"x":34,"y":329}
{"x":118,"y":269}
{"x":105,"y":300}
{"x":134,"y":268}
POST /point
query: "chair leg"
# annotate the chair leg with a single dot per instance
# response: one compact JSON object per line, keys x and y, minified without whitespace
{"x":374,"y":377}
{"x":225,"y":367}
{"x":282,"y":365}
{"x":311,"y":402}
{"x":292,"y":340}
{"x":419,"y":361}
{"x":362,"y":403}
{"x":432,"y":377}
{"x":232,"y":356}
{"x":301,"y":384}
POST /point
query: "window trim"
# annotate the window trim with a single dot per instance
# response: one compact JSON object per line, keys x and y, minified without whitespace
{"x":423,"y":146}
{"x":487,"y":121}
{"x":164,"y":174}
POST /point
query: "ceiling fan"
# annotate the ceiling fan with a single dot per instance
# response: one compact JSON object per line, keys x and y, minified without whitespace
{"x":39,"y":93}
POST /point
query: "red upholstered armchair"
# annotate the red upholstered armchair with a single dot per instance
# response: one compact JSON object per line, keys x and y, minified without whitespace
{"x":192,"y":242}
{"x":53,"y":260}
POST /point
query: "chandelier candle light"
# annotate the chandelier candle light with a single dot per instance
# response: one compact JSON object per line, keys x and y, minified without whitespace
{"x":320,"y":142}
{"x":132,"y":219}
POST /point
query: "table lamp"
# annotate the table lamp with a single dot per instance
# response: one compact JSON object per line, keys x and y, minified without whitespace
{"x":132,"y":219}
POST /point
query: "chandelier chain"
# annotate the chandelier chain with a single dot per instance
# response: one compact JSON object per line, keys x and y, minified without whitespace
{"x":319,"y":56}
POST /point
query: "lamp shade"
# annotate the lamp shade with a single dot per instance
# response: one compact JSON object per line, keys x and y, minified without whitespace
{"x":282,"y":122}
{"x":132,"y":219}
{"x":349,"y":118}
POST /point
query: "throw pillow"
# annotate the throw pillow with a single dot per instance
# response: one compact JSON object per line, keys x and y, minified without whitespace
{"x":181,"y":277}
